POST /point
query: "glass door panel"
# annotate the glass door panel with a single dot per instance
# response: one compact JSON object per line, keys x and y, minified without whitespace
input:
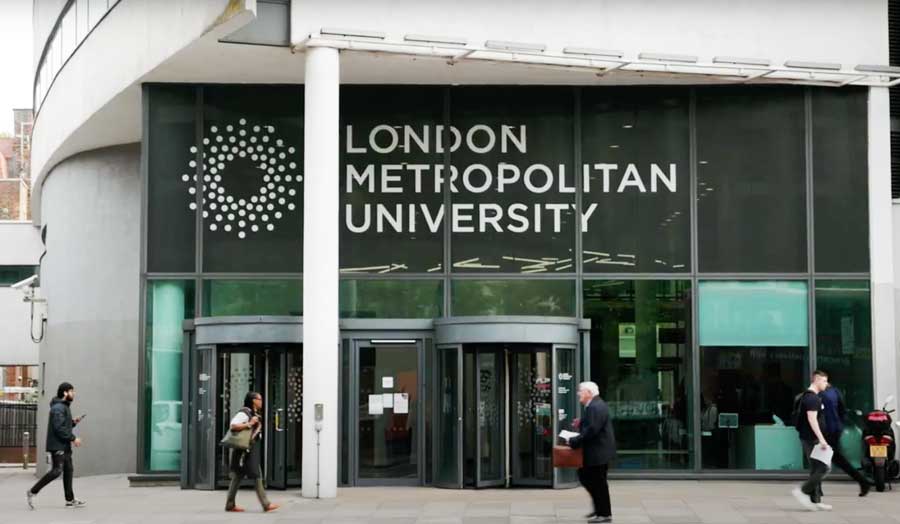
{"x":240,"y":371}
{"x":448,"y":427}
{"x":388,"y":409}
{"x":276,"y":413}
{"x":490,"y":446}
{"x":203,"y":418}
{"x":566,"y":405}
{"x":531,"y":420}
{"x":293,"y":422}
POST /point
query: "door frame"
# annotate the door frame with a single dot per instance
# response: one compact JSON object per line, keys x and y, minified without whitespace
{"x":503,"y":381}
{"x":557,"y":483}
{"x":438,"y":420}
{"x":531,"y":349}
{"x":416,"y":344}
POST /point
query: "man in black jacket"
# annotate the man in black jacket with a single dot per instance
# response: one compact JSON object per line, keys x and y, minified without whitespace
{"x":59,"y":444}
{"x":597,"y":440}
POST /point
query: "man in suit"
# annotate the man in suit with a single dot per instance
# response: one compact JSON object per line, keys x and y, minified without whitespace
{"x":597,"y":440}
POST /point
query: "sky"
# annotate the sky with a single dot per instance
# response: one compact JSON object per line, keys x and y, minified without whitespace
{"x":16,"y":45}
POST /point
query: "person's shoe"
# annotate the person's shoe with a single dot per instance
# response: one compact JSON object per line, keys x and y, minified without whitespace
{"x":29,"y":496}
{"x":75,"y":503}
{"x":235,"y":509}
{"x":821,"y":506}
{"x":864,"y":489}
{"x":590,"y":515}
{"x":272,"y":507}
{"x":803,"y":499}
{"x":599,"y":519}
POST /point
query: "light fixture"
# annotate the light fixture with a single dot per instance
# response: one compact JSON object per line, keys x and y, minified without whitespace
{"x":663,"y":57}
{"x":736,"y":60}
{"x":515,"y":46}
{"x":825,"y":66}
{"x":432,"y":39}
{"x":350,"y":33}
{"x":890,"y":70}
{"x":587,"y":51}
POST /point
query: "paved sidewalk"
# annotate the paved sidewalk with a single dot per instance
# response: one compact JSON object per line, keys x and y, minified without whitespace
{"x":111,"y":501}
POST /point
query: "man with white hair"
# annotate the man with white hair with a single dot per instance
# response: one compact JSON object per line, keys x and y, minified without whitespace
{"x":597,"y":440}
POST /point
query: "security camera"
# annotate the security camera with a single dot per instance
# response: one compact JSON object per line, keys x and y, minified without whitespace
{"x":22,"y":284}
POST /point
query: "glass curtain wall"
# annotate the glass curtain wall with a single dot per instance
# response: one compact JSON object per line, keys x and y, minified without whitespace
{"x":641,"y":360}
{"x":169,"y":303}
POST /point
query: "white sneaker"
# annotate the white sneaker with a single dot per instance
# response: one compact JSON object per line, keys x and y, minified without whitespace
{"x":803,"y":499}
{"x":75,"y":503}
{"x":821,"y":506}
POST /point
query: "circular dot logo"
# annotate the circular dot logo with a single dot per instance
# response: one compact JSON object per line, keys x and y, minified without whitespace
{"x":273,"y":161}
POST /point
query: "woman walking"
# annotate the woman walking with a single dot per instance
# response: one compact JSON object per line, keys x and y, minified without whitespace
{"x":248,"y":463}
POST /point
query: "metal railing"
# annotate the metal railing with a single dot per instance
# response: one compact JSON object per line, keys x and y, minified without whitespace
{"x":75,"y":22}
{"x":17,"y":418}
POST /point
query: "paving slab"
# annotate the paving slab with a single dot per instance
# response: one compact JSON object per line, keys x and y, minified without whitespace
{"x":112,"y":501}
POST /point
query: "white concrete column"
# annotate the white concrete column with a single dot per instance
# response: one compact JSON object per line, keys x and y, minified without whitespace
{"x":881,"y":249}
{"x":321,"y":336}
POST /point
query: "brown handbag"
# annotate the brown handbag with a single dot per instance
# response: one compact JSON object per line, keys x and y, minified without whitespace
{"x":566,"y":457}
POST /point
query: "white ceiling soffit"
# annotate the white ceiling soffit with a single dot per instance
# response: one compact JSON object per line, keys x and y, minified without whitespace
{"x":661,"y":66}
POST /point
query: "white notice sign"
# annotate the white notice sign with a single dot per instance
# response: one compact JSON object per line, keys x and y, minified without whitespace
{"x":387,"y":400}
{"x":376,"y":407}
{"x":401,"y":403}
{"x":387,"y":382}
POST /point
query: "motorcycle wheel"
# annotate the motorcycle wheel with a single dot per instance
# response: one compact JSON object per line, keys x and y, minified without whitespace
{"x":878,"y":472}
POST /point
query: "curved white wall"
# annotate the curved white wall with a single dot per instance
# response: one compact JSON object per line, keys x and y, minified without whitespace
{"x":91,"y":279}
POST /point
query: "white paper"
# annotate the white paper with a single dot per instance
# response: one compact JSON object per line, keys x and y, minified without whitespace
{"x":566,"y":435}
{"x":401,"y":403}
{"x":376,"y":407}
{"x":822,"y":455}
{"x":387,"y":382}
{"x":387,"y":400}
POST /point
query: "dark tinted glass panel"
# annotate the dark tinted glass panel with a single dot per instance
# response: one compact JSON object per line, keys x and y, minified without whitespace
{"x":844,"y":338}
{"x":840,"y":180}
{"x":391,"y":298}
{"x":169,"y":303}
{"x":751,"y":181}
{"x":171,"y":222}
{"x":391,"y":204}
{"x":555,"y":298}
{"x":11,"y":274}
{"x":641,"y":359}
{"x":518,"y":139}
{"x":753,"y":361}
{"x":252,"y":179}
{"x":252,"y":297}
{"x":635,"y":149}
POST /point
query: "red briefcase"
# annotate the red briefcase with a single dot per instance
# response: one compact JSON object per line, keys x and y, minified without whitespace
{"x":566,"y":457}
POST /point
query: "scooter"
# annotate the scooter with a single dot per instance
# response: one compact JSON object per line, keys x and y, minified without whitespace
{"x":880,"y":445}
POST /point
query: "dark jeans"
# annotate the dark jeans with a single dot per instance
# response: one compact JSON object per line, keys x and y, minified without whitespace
{"x":834,"y":440}
{"x":62,"y":465}
{"x":593,"y":478}
{"x":236,"y":483}
{"x":817,"y":472}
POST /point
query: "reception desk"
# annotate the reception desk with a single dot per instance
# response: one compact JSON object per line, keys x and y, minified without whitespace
{"x":769,"y":447}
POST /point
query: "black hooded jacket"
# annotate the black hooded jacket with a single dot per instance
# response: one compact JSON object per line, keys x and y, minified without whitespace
{"x":59,"y":428}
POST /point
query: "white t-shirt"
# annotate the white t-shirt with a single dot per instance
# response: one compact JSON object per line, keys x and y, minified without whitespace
{"x":240,"y":418}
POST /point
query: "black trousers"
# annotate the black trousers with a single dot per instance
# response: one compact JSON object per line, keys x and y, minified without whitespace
{"x":834,"y":440}
{"x":62,"y":465}
{"x":817,"y":472}
{"x":593,"y":478}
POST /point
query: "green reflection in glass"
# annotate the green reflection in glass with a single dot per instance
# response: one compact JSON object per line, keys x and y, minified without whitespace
{"x":764,"y":313}
{"x":252,"y":297}
{"x":513,"y":297}
{"x":391,"y":298}
{"x":641,"y":360}
{"x":844,"y":338}
{"x":169,"y":302}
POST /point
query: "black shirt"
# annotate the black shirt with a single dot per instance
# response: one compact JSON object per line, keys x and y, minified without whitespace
{"x":809,"y":402}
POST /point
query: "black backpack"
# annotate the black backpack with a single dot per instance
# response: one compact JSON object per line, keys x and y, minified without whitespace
{"x":796,"y":414}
